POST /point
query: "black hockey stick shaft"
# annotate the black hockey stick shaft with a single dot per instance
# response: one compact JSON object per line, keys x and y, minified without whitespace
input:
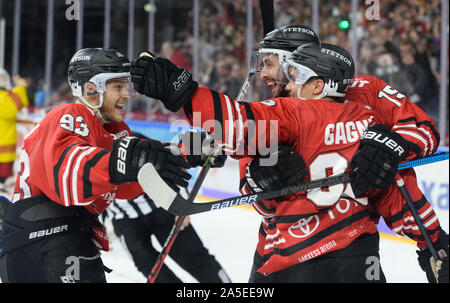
{"x":177,"y":226}
{"x":409,"y":202}
{"x":194,"y":208}
{"x":267,"y":14}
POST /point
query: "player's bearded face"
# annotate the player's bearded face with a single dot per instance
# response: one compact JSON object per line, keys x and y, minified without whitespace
{"x":115,"y":97}
{"x":270,"y":73}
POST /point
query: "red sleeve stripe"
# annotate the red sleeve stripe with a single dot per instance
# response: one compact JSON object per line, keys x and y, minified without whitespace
{"x":68,"y":171}
{"x":229,"y":144}
{"x":426,"y":138}
{"x":418,"y":137}
{"x":58,"y":165}
{"x":75,"y":177}
{"x":262,"y":212}
{"x":410,"y":223}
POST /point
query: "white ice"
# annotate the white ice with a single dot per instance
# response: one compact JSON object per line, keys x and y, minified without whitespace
{"x":231,"y":235}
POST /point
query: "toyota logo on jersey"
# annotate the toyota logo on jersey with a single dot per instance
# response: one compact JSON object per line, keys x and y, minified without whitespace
{"x":304,"y":227}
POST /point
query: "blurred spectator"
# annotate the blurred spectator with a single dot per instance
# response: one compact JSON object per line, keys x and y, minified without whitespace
{"x":223,"y":40}
{"x":414,"y":73}
{"x":12,"y":100}
{"x":286,"y":12}
{"x":176,"y":56}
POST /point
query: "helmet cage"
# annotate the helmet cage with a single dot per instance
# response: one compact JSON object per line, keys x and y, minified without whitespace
{"x":257,"y":62}
{"x":303,"y":73}
{"x":99,"y":81}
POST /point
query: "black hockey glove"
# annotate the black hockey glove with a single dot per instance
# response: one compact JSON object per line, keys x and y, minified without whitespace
{"x":437,"y":272}
{"x":159,"y":78}
{"x":198,"y":145}
{"x":375,"y":163}
{"x":290,"y":169}
{"x":130,"y":154}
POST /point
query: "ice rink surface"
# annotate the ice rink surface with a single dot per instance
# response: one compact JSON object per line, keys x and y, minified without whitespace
{"x":231,"y":235}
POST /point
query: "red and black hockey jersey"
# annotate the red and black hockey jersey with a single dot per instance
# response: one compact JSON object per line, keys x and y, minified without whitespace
{"x":66,"y":158}
{"x":326,"y":134}
{"x":397,"y":112}
{"x":419,"y":129}
{"x":411,"y":122}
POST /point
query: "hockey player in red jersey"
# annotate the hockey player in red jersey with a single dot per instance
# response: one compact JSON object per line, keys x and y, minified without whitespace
{"x":398,"y":114}
{"x":311,"y":231}
{"x":220,"y":104}
{"x":74,"y":163}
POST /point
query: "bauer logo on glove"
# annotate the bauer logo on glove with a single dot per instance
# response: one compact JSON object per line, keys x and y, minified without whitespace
{"x":384,"y":139}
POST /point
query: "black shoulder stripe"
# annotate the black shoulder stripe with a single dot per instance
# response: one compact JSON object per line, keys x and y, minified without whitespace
{"x":218,"y":114}
{"x":87,"y":184}
{"x":58,"y":166}
{"x":251,"y":126}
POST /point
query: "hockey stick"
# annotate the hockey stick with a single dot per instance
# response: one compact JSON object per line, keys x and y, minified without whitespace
{"x":245,"y":86}
{"x":178,"y":223}
{"x":179,"y":206}
{"x":267,"y":15}
{"x":409,"y":201}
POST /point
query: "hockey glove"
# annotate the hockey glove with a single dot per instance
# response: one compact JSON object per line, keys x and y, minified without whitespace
{"x":130,"y":154}
{"x":437,"y":272}
{"x":198,"y":145}
{"x":289,"y":170}
{"x":375,"y":163}
{"x":159,"y":78}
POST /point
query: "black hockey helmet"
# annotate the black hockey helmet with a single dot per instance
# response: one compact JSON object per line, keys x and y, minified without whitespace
{"x":343,"y":66}
{"x":331,"y":63}
{"x":308,"y":62}
{"x":283,"y":41}
{"x":96,"y":65}
{"x":289,"y":38}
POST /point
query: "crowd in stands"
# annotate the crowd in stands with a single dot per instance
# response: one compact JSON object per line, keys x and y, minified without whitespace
{"x":401,"y":46}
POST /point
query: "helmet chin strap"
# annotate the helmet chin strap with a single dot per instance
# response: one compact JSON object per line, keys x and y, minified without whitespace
{"x":95,"y":109}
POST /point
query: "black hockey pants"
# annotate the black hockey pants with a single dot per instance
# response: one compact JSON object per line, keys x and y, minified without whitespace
{"x":47,"y":242}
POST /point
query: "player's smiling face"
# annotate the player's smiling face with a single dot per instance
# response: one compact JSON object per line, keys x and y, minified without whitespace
{"x":114,"y":99}
{"x":270,"y":71}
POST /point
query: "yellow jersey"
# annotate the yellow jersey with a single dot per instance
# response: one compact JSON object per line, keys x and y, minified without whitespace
{"x":11,"y":102}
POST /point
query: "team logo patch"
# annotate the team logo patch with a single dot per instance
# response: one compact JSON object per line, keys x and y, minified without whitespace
{"x":304,"y":227}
